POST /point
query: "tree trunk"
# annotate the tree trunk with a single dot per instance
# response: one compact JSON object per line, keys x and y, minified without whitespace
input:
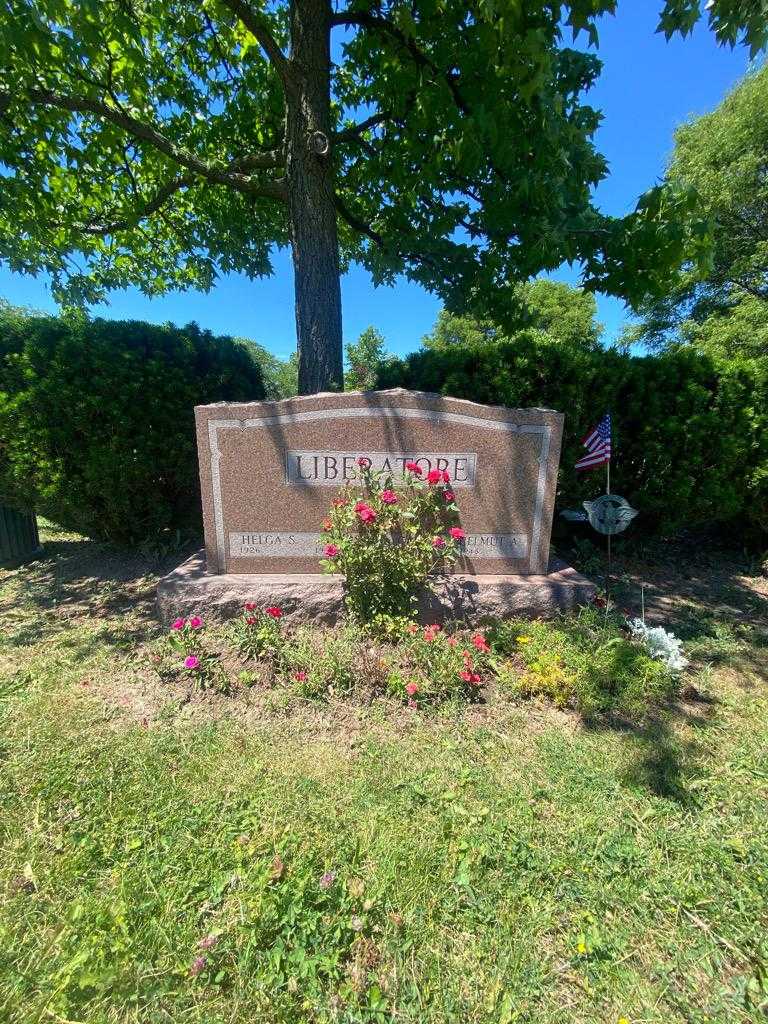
{"x":311,"y":210}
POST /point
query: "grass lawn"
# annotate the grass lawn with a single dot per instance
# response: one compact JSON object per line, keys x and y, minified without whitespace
{"x":247,"y":859}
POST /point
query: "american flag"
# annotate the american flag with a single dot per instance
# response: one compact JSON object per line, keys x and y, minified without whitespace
{"x":598,"y":445}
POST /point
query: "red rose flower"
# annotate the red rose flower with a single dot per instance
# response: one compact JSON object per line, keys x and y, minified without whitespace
{"x":446,"y":477}
{"x":274,"y":612}
{"x":249,"y":606}
{"x":457,"y":533}
{"x":449,"y":496}
{"x":413,"y":467}
{"x":364,"y":512}
{"x":434,"y":476}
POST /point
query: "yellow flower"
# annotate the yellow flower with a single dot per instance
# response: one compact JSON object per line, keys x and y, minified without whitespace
{"x":623,"y":1020}
{"x":523,"y":639}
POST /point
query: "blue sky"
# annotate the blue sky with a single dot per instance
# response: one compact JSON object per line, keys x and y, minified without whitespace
{"x":647,"y":88}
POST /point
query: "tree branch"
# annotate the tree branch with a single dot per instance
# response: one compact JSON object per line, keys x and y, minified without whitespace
{"x":161,"y":197}
{"x":258,"y":28}
{"x":357,"y":222}
{"x":230,"y":175}
{"x":352,"y":133}
{"x":364,"y":19}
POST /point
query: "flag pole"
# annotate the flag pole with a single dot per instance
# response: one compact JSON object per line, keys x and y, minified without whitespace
{"x":608,"y":567}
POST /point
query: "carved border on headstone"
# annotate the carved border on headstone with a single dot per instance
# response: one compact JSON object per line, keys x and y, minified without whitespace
{"x":381,"y":412}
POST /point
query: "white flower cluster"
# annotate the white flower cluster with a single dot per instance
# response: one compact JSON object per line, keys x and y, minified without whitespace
{"x":661,"y":644}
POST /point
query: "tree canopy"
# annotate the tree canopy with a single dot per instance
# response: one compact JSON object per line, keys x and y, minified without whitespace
{"x":161,"y":143}
{"x":723,"y":156}
{"x":551,"y":312}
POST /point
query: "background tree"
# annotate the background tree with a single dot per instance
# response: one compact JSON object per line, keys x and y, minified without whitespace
{"x":723,"y":156}
{"x":551,"y":312}
{"x":162,"y":142}
{"x":365,"y":357}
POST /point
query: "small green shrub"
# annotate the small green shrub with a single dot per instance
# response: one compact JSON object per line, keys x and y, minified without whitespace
{"x":585,"y":662}
{"x":323,"y":664}
{"x":257,"y":633}
{"x":97,"y":429}
{"x":190,"y":658}
{"x":430,"y":665}
{"x":386,"y":538}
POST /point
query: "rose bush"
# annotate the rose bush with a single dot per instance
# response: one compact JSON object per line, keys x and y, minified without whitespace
{"x":386,"y":538}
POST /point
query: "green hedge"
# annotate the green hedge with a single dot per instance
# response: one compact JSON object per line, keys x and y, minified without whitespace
{"x":690,"y":433}
{"x":97,"y":425}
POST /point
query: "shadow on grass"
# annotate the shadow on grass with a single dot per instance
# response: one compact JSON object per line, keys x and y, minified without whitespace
{"x":81,"y":582}
{"x":666,"y":757}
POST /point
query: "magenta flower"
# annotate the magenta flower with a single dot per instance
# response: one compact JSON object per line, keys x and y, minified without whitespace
{"x":434,"y":476}
{"x":327,"y":879}
{"x":192,"y":661}
{"x":438,"y":542}
{"x":449,"y":496}
{"x":330,"y":550}
{"x":195,"y":622}
{"x":198,"y":965}
{"x":208,"y":942}
{"x":457,"y":533}
{"x":389,"y":497}
{"x":300,"y":676}
{"x":363,"y":462}
{"x":179,"y":624}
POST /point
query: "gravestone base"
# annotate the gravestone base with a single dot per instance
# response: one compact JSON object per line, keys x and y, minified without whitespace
{"x":317,"y":598}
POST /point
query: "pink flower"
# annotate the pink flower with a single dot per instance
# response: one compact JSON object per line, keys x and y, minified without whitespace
{"x":300,"y":676}
{"x":191,"y":661}
{"x":195,"y":622}
{"x":434,"y":476}
{"x":198,"y":965}
{"x":274,"y":612}
{"x":430,"y":632}
{"x":327,"y":879}
{"x":457,"y":533}
{"x":412,"y":703}
{"x":438,"y":542}
{"x":389,"y":497}
{"x":479,"y":642}
{"x":249,"y":606}
{"x":330,"y":550}
{"x":412,"y":689}
{"x":452,"y":641}
{"x":449,"y":496}
{"x":446,"y":477}
{"x":363,"y":462}
{"x":470,"y":677}
{"x":414,"y":467}
{"x":364,"y":512}
{"x":179,"y":624}
{"x":208,"y":942}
